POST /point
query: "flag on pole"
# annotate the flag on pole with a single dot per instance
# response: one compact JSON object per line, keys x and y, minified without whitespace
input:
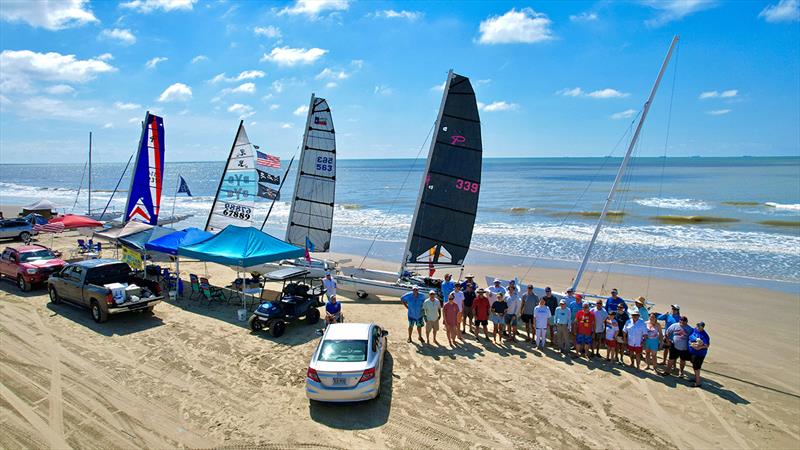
{"x":309,"y":246}
{"x":264,"y":177}
{"x":268,"y":193}
{"x":184,"y":187}
{"x":262,"y":159}
{"x":55,"y":227}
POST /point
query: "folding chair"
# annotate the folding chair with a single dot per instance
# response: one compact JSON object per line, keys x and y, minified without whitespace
{"x":194,"y":282}
{"x":211,"y":292}
{"x":98,"y":247}
{"x":81,"y":246}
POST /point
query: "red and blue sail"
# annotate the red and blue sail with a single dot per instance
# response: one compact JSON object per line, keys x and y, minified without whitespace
{"x":144,"y":195}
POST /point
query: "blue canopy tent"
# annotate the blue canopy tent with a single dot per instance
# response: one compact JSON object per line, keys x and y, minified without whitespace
{"x":138,"y":240}
{"x":169,"y":243}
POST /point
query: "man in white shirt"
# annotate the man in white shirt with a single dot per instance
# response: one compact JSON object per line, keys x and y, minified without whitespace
{"x":512,"y":313}
{"x":541,"y":321}
{"x":496,"y":289}
{"x":330,"y":285}
{"x":635,"y":331}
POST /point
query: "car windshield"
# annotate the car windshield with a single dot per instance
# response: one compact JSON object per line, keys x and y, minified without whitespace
{"x":36,"y":256}
{"x":343,"y":350}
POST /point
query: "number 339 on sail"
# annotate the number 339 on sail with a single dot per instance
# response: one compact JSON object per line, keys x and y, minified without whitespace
{"x":469,"y":186}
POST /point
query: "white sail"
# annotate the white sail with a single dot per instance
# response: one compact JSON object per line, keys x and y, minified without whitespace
{"x":235,"y":199}
{"x":311,"y":214}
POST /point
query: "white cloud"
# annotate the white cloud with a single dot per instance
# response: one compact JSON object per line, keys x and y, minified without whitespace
{"x":392,"y":14}
{"x":499,"y":106}
{"x":50,"y":108}
{"x":134,"y":120}
{"x":718,"y":112}
{"x":482,"y":82}
{"x":627,"y":114}
{"x":199,"y":58}
{"x":523,"y":26}
{"x":108,"y":125}
{"x":301,"y":110}
{"x":51,"y":15}
{"x":382,"y":90}
{"x":357,"y":63}
{"x":272,"y":32}
{"x":287,"y":56}
{"x":244,"y":111}
{"x":784,"y":11}
{"x":600,"y":93}
{"x":730,"y":93}
{"x":177,"y":92}
{"x":583,"y":17}
{"x":122,"y":35}
{"x":313,"y":8}
{"x":21,"y":67}
{"x":331,"y":84}
{"x":148,"y":6}
{"x":438,"y":87}
{"x":244,"y":88}
{"x":286,"y":125}
{"x":277,"y":86}
{"x":246,"y":75}
{"x":331,"y":74}
{"x":126,"y":106}
{"x":274,"y":107}
{"x":106,"y":57}
{"x":151,"y":64}
{"x":672,"y":10}
{"x":60,"y":89}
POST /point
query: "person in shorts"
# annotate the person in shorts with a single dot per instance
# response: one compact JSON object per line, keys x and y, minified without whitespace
{"x":512,"y":313}
{"x":612,"y":332}
{"x":413,"y":302}
{"x":698,"y":349}
{"x":584,"y":330}
{"x":467,"y":313}
{"x":432,"y":310}
{"x":458,"y":298}
{"x":333,"y":311}
{"x":499,"y":308}
{"x":529,"y":303}
{"x":600,"y":316}
{"x":481,"y":308}
{"x":552,"y":303}
{"x":670,"y":318}
{"x":677,"y":335}
{"x":450,"y":315}
{"x":635,"y":332}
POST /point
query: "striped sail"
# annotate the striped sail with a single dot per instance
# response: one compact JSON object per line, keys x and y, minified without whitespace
{"x":144,"y":195}
{"x":311,"y":213}
{"x":238,"y":187}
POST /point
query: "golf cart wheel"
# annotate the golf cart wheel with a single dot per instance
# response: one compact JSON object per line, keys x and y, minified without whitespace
{"x":361,"y":294}
{"x":277,"y":328}
{"x":312,"y":316}
{"x":255,"y":324}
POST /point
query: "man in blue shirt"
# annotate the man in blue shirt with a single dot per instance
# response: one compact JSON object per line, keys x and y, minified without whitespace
{"x":670,"y":318}
{"x":413,"y":302}
{"x":470,"y":281}
{"x":613,"y":301}
{"x":698,"y":349}
{"x":562,"y":321}
{"x":447,"y":286}
{"x":333,"y":311}
{"x":575,"y":304}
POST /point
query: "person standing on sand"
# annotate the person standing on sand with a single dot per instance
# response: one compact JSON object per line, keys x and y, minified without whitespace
{"x":470,"y":281}
{"x":552,"y":303}
{"x":670,"y":319}
{"x":512,"y":313}
{"x":413,"y":302}
{"x":678,"y":337}
{"x":330,"y":285}
{"x":432,"y":309}
{"x":613,"y":302}
{"x":499,"y":308}
{"x":458,"y":297}
{"x":635,"y":332}
{"x":612,"y":333}
{"x":529,"y":303}
{"x":450,"y":314}
{"x":643,"y":312}
{"x":447,"y":286}
{"x":622,"y":319}
{"x":575,"y":306}
{"x":584,"y":330}
{"x":481,"y":307}
{"x":698,"y":349}
{"x":562,"y":321}
{"x":600,"y":316}
{"x":497,"y":289}
{"x":468,"y":313}
{"x":541,"y":319}
{"x":651,"y":343}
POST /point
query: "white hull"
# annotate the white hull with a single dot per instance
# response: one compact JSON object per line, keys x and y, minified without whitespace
{"x":316,"y":268}
{"x":371,"y":287}
{"x":370,"y":274}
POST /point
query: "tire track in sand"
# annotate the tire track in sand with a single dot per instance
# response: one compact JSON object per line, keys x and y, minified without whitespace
{"x":733,"y":433}
{"x":662,"y":415}
{"x":55,"y":398}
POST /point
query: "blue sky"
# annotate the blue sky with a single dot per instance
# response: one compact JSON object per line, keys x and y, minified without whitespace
{"x":553,"y":78}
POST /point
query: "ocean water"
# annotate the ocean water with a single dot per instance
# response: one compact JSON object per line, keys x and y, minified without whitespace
{"x":732,"y":216}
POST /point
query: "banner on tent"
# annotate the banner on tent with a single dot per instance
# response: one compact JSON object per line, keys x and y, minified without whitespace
{"x":133,"y":258}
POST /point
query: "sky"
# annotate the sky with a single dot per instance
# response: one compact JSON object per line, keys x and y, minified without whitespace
{"x":552,"y":78}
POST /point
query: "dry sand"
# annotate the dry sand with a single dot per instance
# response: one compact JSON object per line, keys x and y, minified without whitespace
{"x":192,"y":376}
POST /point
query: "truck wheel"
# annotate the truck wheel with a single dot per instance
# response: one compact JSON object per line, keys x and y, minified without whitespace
{"x":312,"y":316}
{"x":361,"y":294}
{"x":256,"y":325}
{"x":148,"y":310}
{"x":277,"y":328}
{"x":25,"y":236}
{"x":98,"y":314}
{"x":24,"y":286}
{"x":54,"y":298}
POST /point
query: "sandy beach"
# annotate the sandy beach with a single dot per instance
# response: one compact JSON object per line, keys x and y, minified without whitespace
{"x":191,"y":375}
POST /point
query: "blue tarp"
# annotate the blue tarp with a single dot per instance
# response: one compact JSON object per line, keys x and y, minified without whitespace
{"x":169,"y":244}
{"x":241,"y":247}
{"x":138,"y":240}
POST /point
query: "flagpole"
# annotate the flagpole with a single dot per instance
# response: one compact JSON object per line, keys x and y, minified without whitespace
{"x":286,"y":174}
{"x":175,"y":198}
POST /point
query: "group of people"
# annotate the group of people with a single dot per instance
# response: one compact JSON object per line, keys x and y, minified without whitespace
{"x":571,"y":323}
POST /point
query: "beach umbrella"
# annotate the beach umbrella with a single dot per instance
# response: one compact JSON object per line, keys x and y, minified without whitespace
{"x":52,"y":228}
{"x":71,"y":221}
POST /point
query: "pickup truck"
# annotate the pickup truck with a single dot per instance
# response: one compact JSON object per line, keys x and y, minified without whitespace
{"x":85,"y":284}
{"x":29,"y":264}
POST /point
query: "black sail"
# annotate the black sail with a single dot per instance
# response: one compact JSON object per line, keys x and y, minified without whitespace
{"x":445,"y":214}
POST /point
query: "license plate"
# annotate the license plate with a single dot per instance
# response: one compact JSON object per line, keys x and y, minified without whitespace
{"x":337,"y":381}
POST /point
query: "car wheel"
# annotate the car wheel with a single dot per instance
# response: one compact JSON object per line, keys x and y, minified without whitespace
{"x":256,"y":325}
{"x":312,"y":316}
{"x":25,"y":236}
{"x":361,"y":294}
{"x":23,"y":285}
{"x":98,"y":314}
{"x":54,"y":298}
{"x":277,"y":328}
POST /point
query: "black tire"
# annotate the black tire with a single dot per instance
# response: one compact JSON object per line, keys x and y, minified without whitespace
{"x":54,"y":298}
{"x":23,"y":285}
{"x":312,"y":316}
{"x":277,"y":328}
{"x":25,"y":236}
{"x":362,"y":294}
{"x":255,"y":324}
{"x":98,"y":315}
{"x":149,"y":310}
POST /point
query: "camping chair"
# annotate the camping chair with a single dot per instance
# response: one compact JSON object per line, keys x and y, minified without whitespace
{"x":210,"y":292}
{"x":194,"y":281}
{"x":170,"y":279}
{"x":98,"y":247}
{"x":82,"y":246}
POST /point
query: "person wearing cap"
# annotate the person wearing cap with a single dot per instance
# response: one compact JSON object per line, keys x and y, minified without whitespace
{"x":652,"y":341}
{"x":450,"y":314}
{"x":469,"y":281}
{"x":615,"y":300}
{"x":575,"y":304}
{"x":622,"y":318}
{"x":584,"y":331}
{"x":678,"y":337}
{"x":447,"y":286}
{"x":512,"y":313}
{"x":413,"y":302}
{"x":432,"y":309}
{"x":670,"y":319}
{"x":635,"y":333}
{"x":497,"y":289}
{"x":600,"y":315}
{"x":499,"y":308}
{"x":330,"y":285}
{"x":541,"y":320}
{"x":467,"y":312}
{"x":458,"y":297}
{"x":698,"y":349}
{"x":481,"y":307}
{"x":551,"y":302}
{"x":563,"y":321}
{"x":530,"y":301}
{"x":640,"y":304}
{"x":333,"y":311}
{"x":612,"y":333}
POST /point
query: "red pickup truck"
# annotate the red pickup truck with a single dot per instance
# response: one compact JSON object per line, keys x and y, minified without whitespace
{"x":29,"y":264}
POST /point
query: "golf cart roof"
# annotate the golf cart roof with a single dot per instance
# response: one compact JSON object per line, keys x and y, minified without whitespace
{"x":287,"y":274}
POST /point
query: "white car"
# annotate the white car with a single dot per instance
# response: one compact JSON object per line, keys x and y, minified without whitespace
{"x":346,"y":365}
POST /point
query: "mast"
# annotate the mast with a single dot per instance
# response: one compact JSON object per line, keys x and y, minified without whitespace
{"x":427,"y":167}
{"x":89,"y":203}
{"x":222,"y":177}
{"x":624,"y":164}
{"x":299,"y":167}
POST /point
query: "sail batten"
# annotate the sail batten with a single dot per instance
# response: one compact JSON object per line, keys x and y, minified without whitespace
{"x":144,"y":195}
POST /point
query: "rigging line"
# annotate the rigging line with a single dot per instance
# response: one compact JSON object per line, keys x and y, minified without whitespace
{"x":80,"y":186}
{"x":124,"y":219}
{"x":397,"y":196}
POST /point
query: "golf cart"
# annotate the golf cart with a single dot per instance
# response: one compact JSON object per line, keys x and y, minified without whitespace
{"x":298,"y":299}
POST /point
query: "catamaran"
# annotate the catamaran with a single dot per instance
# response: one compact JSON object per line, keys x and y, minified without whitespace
{"x":89,"y":213}
{"x":444,"y":217}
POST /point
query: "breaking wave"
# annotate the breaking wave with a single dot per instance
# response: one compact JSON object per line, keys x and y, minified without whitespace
{"x":674,"y":203}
